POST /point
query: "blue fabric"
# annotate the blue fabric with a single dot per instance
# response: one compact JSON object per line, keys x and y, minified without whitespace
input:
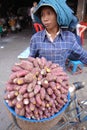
{"x":59,"y":50}
{"x":24,"y":54}
{"x":63,"y":11}
{"x":73,"y":23}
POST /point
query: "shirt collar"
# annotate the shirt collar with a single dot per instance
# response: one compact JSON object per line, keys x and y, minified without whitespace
{"x":58,"y":33}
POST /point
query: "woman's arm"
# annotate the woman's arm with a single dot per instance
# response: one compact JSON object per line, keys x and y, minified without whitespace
{"x":76,"y":48}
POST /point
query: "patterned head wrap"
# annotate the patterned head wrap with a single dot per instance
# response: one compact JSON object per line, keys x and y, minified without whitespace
{"x":63,"y":11}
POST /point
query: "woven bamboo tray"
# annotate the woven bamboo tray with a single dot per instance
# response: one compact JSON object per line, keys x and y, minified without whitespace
{"x":33,"y":124}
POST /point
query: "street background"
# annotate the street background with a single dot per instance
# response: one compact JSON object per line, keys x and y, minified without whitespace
{"x":10,"y":47}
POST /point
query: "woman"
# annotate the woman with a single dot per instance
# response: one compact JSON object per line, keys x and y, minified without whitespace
{"x":53,"y":43}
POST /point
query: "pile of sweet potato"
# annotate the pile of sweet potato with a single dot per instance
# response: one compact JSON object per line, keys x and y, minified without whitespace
{"x":36,"y":88}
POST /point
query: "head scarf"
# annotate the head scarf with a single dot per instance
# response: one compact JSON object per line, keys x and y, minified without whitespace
{"x":63,"y":11}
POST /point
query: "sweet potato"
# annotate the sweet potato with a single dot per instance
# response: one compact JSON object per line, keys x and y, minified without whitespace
{"x":11,"y":95}
{"x":63,"y":96}
{"x":19,"y":81}
{"x":59,"y":106}
{"x":27,"y":115}
{"x":6,"y":95}
{"x":43,"y":72}
{"x":29,"y":77}
{"x":38,"y":99}
{"x":30,"y":87}
{"x":40,"y":77}
{"x":10,"y":103}
{"x":34,"y":82}
{"x":47,"y":97}
{"x":19,"y":104}
{"x":57,"y":93}
{"x":35,"y":63}
{"x":13,"y":76}
{"x":52,"y":85}
{"x":54,"y":65}
{"x":32,"y":106}
{"x":59,"y":80}
{"x":43,"y":104}
{"x":57,"y":70}
{"x":42,"y":93}
{"x":58,"y":85}
{"x":21,"y":73}
{"x":51,"y":77}
{"x":40,"y":112}
{"x":51,"y":102}
{"x":31,"y":94}
{"x":9,"y":87}
{"x":37,"y":89}
{"x":16,"y":93}
{"x":59,"y":73}
{"x":15,"y":80}
{"x":41,"y":107}
{"x":18,"y":74}
{"x":65,"y":100}
{"x":48,"y":64}
{"x":61,"y":102}
{"x":63,"y":91}
{"x":62,"y":79}
{"x":48,"y":70}
{"x":53,"y":96}
{"x":36,"y":111}
{"x":43,"y":61}
{"x":31,"y":59}
{"x":26,"y":101}
{"x":19,"y":97}
{"x":65,"y":84}
{"x":38,"y":60}
{"x":39,"y":82}
{"x":45,"y":83}
{"x":23,"y":89}
{"x":14,"y":102}
{"x":32,"y":100}
{"x":35,"y":71}
{"x":49,"y":91}
{"x":20,"y":112}
{"x":27,"y":108}
{"x":36,"y":116}
{"x":16,"y":68}
{"x":47,"y":113}
{"x":26,"y":65}
{"x":32,"y":115}
{"x":25,"y":95}
{"x":55,"y":110}
{"x":17,"y":87}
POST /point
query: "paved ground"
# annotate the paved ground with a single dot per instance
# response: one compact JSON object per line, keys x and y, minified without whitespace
{"x":10,"y":47}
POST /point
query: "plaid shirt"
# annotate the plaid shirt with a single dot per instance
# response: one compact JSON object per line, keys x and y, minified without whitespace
{"x":58,"y":50}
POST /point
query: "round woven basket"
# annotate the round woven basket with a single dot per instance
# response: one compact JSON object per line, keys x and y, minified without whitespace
{"x":33,"y":124}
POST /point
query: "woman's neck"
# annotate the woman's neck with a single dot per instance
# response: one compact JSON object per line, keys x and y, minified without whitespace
{"x":53,"y":32}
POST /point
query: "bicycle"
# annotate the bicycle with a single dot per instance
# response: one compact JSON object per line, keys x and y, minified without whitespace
{"x":76,"y":114}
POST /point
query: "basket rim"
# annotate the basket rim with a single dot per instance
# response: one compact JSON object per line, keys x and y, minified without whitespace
{"x":41,"y":120}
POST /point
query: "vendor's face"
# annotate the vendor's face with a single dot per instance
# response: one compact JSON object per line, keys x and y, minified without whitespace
{"x":48,"y":18}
